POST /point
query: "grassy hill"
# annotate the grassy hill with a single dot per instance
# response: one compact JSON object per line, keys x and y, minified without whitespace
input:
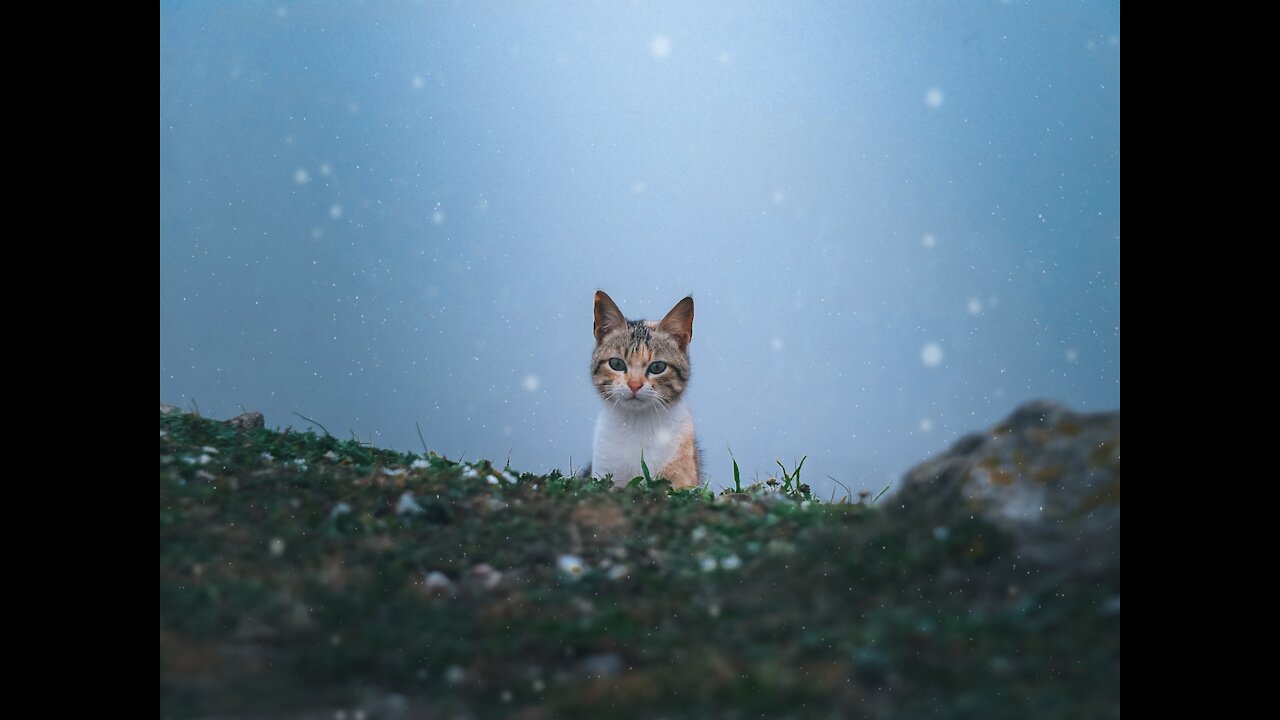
{"x":303,"y":576}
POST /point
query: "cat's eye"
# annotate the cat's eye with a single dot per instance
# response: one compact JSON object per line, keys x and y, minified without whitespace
{"x":617,"y":364}
{"x":657,"y":368}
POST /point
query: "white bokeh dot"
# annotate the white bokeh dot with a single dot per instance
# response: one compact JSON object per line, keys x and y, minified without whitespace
{"x":660,"y":47}
{"x":934,"y":98}
{"x":929,"y":240}
{"x":531,"y":383}
{"x":931,"y":355}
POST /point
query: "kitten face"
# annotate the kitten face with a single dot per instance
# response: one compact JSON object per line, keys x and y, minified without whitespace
{"x":641,"y":366}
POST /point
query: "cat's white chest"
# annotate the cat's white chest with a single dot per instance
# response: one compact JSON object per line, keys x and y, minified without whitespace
{"x":621,"y":437}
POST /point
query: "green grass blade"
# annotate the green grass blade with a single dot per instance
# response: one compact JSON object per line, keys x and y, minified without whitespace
{"x":737,"y":476}
{"x":882,"y":492}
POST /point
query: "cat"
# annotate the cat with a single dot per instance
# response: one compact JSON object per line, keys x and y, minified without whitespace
{"x":641,"y":370}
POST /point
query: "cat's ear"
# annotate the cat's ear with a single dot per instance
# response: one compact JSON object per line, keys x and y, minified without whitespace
{"x":608,"y":316}
{"x":679,"y":322}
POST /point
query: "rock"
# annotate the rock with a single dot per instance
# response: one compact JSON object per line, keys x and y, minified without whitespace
{"x":392,"y":706}
{"x":602,"y":665}
{"x":437,"y":583}
{"x":1048,"y":476}
{"x":248,"y":421}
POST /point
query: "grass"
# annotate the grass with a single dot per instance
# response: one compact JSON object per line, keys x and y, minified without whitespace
{"x":294,"y":576}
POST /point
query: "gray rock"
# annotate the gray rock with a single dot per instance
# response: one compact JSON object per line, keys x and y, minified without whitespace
{"x":248,"y":421}
{"x":1048,"y":476}
{"x":392,"y":706}
{"x":602,"y":665}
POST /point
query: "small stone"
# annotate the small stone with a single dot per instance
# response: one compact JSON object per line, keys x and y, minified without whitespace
{"x":438,"y":582}
{"x":602,"y":665}
{"x":571,"y":566}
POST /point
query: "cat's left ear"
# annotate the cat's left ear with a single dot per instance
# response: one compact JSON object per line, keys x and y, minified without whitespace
{"x":679,"y":322}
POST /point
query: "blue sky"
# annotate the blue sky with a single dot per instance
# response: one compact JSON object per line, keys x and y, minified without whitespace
{"x":898,"y":220}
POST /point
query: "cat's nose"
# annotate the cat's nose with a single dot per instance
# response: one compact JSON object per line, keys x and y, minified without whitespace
{"x":635,"y":385}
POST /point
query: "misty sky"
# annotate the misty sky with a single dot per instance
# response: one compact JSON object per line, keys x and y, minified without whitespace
{"x":898,"y":220}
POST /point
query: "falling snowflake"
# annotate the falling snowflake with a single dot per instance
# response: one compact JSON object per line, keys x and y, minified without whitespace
{"x":931,"y":355}
{"x":975,"y":306}
{"x":660,"y":47}
{"x":335,"y":211}
{"x":301,"y":177}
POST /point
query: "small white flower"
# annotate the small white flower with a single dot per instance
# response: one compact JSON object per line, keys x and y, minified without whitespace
{"x":617,"y":572}
{"x":210,"y":450}
{"x":733,"y":562}
{"x":276,"y":547}
{"x":509,"y":477}
{"x":331,"y":456}
{"x":268,"y":456}
{"x":420,"y":464}
{"x":406,"y":505}
{"x":571,"y":566}
{"x":394,"y":472}
{"x":491,"y":479}
{"x":302,"y":464}
{"x":470,"y":473}
{"x":804,"y":504}
{"x":339,"y":509}
{"x":698,"y":534}
{"x":708,"y":564}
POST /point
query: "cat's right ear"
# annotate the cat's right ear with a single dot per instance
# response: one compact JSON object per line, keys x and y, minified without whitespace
{"x":608,"y":316}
